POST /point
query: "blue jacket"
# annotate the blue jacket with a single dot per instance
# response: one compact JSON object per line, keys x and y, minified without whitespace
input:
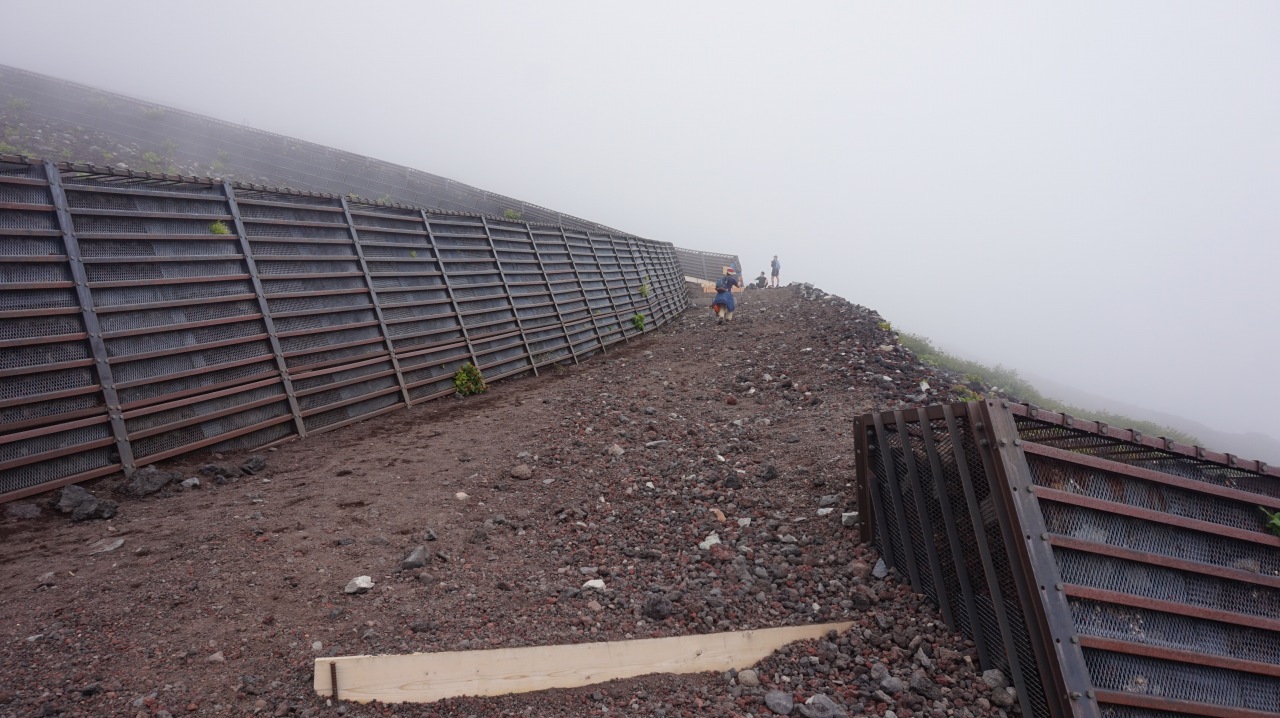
{"x":726,"y":297}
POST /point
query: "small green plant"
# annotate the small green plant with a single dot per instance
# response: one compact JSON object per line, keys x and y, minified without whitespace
{"x":107,"y":156}
{"x":964,"y":393}
{"x":152,"y":159}
{"x":637,"y":321}
{"x":153,"y":113}
{"x":18,"y":104}
{"x":645,"y":290}
{"x":885,"y":326}
{"x":1273,"y":520}
{"x":65,"y":154}
{"x":510,"y":214}
{"x":468,"y":381}
{"x":8,"y":149}
{"x":219,"y":227}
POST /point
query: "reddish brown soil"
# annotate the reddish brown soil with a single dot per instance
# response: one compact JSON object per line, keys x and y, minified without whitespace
{"x":252,"y":571}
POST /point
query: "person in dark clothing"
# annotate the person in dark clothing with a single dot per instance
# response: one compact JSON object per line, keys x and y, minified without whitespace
{"x":777,"y":267}
{"x":722,"y":305}
{"x":761,"y":281}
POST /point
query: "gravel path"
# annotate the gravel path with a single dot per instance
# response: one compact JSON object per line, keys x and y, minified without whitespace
{"x":616,"y":470}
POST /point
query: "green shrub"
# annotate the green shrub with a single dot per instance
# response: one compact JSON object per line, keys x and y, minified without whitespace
{"x":637,"y":321}
{"x":468,"y":381}
{"x":510,"y":214}
{"x":17,"y":104}
{"x":1273,"y":520}
{"x":645,"y":290}
{"x":219,"y":227}
{"x":885,"y":326}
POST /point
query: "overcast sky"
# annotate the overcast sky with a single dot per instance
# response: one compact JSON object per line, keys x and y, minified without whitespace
{"x":1086,"y":191}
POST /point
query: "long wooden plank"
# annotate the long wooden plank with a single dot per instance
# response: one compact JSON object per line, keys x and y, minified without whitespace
{"x":427,"y":677}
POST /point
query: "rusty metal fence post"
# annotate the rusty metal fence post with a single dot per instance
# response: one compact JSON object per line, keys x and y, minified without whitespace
{"x":577,"y":272}
{"x":373,"y":298}
{"x":272,"y":335}
{"x":511,"y":298}
{"x":555,"y":305}
{"x":448,"y":286}
{"x":102,"y":363}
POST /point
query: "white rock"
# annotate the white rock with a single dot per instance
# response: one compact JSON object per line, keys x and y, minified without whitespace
{"x":709,"y":541}
{"x":317,"y":646}
{"x":461,"y":496}
{"x":596,"y":583}
{"x":359,"y":584}
{"x":105,"y":545}
{"x":824,"y":512}
{"x":744,"y":522}
{"x":191,"y":483}
{"x":615,"y":450}
{"x":849,"y":519}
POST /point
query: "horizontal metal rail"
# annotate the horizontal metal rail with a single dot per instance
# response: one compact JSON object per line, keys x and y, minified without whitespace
{"x":163,"y":342}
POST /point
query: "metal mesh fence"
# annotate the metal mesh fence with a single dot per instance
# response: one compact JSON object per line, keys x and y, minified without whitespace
{"x":1105,"y":572}
{"x":143,"y":316}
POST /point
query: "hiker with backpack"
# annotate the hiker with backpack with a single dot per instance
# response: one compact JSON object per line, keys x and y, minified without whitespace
{"x":722,"y":305}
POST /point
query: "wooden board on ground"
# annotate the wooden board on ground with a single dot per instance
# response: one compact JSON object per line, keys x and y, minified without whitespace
{"x":426,"y":677}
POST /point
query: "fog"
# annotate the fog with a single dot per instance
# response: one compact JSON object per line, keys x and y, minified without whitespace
{"x":1088,"y":192}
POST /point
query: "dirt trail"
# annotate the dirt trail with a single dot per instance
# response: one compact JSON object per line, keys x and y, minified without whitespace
{"x":221,"y":596}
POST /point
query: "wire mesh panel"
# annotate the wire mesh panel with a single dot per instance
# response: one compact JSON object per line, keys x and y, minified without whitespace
{"x":626,"y":291}
{"x":591,"y":281}
{"x":1124,"y":575}
{"x":607,"y":313}
{"x":479,"y":290}
{"x":323,"y":311}
{"x":408,"y":284}
{"x":707,"y":266}
{"x":530,"y":292}
{"x":54,"y":419}
{"x":225,"y":316}
{"x":185,"y":338}
{"x":669,"y":282}
{"x":566,"y":289}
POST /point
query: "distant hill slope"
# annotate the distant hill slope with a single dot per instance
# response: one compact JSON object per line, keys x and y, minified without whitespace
{"x":1252,"y":445}
{"x":60,"y":120}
